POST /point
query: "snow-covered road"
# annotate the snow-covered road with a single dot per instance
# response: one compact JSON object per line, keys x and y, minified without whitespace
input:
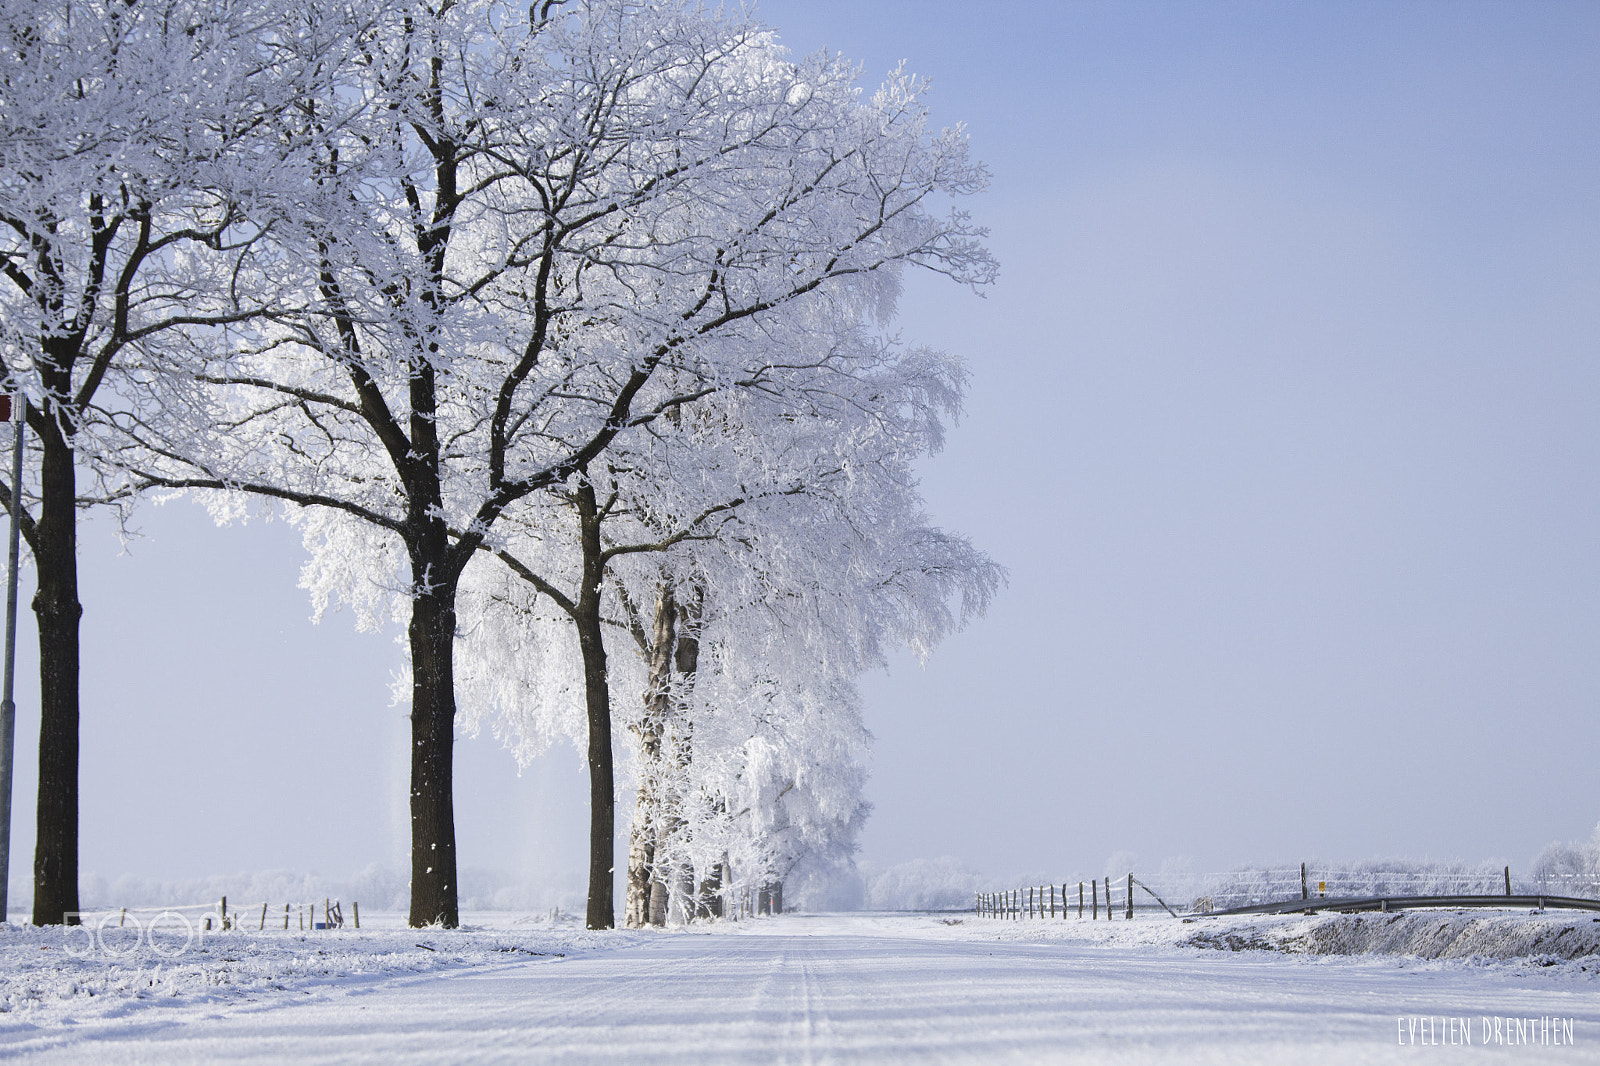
{"x":803,"y":990}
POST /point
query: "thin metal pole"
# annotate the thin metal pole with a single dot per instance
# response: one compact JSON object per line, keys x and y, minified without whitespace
{"x":8,"y":707}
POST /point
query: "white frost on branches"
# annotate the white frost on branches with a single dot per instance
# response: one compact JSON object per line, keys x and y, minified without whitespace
{"x":615,"y":262}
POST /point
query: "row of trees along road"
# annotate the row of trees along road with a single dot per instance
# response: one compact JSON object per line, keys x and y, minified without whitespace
{"x":554,"y":314}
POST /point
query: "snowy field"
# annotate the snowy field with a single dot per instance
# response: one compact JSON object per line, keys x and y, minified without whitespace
{"x":801,"y":989}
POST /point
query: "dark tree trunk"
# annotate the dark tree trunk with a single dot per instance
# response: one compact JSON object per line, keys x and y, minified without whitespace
{"x":56,"y":607}
{"x":432,"y":632}
{"x":597,"y":699}
{"x":433,"y":713}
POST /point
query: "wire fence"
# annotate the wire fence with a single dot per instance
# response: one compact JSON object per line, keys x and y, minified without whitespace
{"x":217,"y":916}
{"x":1126,"y":896}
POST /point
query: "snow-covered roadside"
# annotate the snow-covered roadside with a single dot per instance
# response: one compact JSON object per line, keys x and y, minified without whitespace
{"x":1559,"y":941}
{"x":53,"y":976}
{"x":839,"y":988}
{"x":1544,"y":939}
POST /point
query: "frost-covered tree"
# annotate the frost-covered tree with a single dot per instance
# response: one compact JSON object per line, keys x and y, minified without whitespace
{"x":518,"y":236}
{"x":1569,"y":869}
{"x":766,"y":765}
{"x":779,"y":525}
{"x":126,"y":132}
{"x":774,"y":787}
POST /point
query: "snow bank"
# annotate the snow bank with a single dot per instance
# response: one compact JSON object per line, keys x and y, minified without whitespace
{"x":1540,"y":939}
{"x":1423,"y":934}
{"x":55,"y":975}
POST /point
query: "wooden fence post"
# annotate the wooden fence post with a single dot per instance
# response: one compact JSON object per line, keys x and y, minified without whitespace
{"x":1304,"y":893}
{"x":1508,"y":880}
{"x":1094,"y":900}
{"x":355,"y":912}
{"x":263,"y":924}
{"x":1130,"y":897}
{"x":1080,"y":899}
{"x":1108,"y":897}
{"x":285,"y":917}
{"x":224,"y":912}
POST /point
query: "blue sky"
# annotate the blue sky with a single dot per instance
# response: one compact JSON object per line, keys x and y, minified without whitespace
{"x":1283,"y":418}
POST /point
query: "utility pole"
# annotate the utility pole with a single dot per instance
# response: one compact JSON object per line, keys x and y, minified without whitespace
{"x":17,"y":414}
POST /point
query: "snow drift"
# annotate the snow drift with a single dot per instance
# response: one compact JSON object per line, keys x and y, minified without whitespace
{"x":1422,"y":934}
